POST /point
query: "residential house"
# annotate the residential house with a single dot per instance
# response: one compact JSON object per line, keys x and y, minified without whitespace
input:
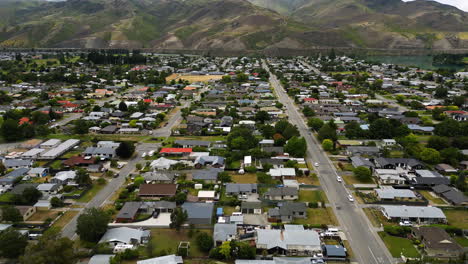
{"x":125,"y":236}
{"x":392,"y":163}
{"x":17,"y":163}
{"x":159,"y":176}
{"x":175,"y":151}
{"x":251,"y":208}
{"x":235,"y":189}
{"x":437,"y":243}
{"x":213,"y":161}
{"x":128,"y":213}
{"x":63,"y":177}
{"x":209,"y":175}
{"x":282,"y":193}
{"x":11,"y":178}
{"x":293,"y":241}
{"x":101,"y":152}
{"x":427,"y":178}
{"x":283,"y":173}
{"x":224,"y":232}
{"x":38,"y":172}
{"x":451,"y":194}
{"x":391,"y":194}
{"x":26,"y":211}
{"x":416,"y":214}
{"x":363,"y":150}
{"x":445,"y":168}
{"x":49,"y":188}
{"x":169,"y":259}
{"x":199,"y":213}
{"x":192,"y":143}
{"x":286,"y":212}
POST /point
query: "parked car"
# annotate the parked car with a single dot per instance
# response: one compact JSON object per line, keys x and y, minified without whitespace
{"x":155,"y":214}
{"x":316,"y":164}
{"x":243,"y":197}
{"x":350,"y":198}
{"x":338,"y":178}
{"x":406,"y":223}
{"x":143,"y":155}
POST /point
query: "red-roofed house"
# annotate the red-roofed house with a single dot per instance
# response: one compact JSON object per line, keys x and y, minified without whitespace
{"x":148,"y":100}
{"x":175,"y":151}
{"x":24,"y":120}
{"x":311,"y":100}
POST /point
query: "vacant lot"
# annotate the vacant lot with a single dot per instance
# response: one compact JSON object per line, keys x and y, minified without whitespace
{"x":457,"y":218}
{"x":376,"y":217}
{"x":41,"y":216}
{"x":245,"y":178}
{"x":90,"y":193}
{"x":65,"y":219}
{"x":312,"y":196}
{"x":318,"y":216}
{"x":398,"y":246}
{"x":193,"y":78}
{"x":168,"y":240}
{"x":309,"y":180}
{"x":434,"y":200}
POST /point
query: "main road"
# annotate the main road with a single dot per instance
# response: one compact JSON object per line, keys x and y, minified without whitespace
{"x":366,"y":245}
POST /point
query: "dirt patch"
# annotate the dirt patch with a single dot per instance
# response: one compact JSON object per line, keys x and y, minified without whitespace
{"x":193,"y":78}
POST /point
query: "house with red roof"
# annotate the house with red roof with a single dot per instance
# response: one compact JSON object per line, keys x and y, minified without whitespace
{"x":175,"y":151}
{"x":311,"y":100}
{"x":24,"y":120}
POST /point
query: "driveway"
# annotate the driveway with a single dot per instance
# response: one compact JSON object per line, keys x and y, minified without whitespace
{"x":163,"y":220}
{"x":253,"y":219}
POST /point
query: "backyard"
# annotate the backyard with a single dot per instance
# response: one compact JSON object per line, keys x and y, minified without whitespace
{"x":457,"y":218}
{"x":244,"y":178}
{"x":399,"y":246}
{"x":42,"y":216}
{"x":434,"y":200}
{"x":168,"y":240}
{"x":312,"y":196}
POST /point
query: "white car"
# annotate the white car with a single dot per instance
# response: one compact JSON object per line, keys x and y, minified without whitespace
{"x":143,"y":155}
{"x":350,"y":198}
{"x":405,"y":223}
{"x":316,"y":164}
{"x":338,"y":178}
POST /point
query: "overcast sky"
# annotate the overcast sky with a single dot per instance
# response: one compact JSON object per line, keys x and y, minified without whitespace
{"x":461,"y":4}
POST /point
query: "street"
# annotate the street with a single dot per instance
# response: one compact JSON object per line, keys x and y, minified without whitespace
{"x":365,"y":242}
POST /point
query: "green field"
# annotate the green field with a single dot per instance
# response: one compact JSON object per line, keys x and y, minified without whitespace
{"x":168,"y":240}
{"x":312,"y":196}
{"x":398,"y":246}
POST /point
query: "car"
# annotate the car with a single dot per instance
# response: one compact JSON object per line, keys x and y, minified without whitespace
{"x":155,"y":214}
{"x":405,"y":223}
{"x":338,"y":178}
{"x":243,"y":197}
{"x":116,"y":175}
{"x":316,"y":164}
{"x":151,"y":153}
{"x":350,"y":198}
{"x":143,"y":155}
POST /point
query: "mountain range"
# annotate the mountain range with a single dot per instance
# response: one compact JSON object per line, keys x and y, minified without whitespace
{"x":232,"y":24}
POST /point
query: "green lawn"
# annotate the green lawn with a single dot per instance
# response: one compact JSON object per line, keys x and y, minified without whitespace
{"x":432,"y":199}
{"x":318,"y":216}
{"x":244,"y":178}
{"x":463,"y":241}
{"x":90,"y":193}
{"x":168,"y":240}
{"x":56,"y":164}
{"x":457,"y":218}
{"x":312,"y":196}
{"x":399,"y":245}
{"x":6,"y":197}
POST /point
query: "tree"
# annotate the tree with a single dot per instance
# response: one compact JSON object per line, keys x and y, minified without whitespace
{"x":327,"y":145}
{"x":362,"y":173}
{"x":225,"y":249}
{"x":178,"y":218}
{"x":242,"y":77}
{"x":81,"y":127}
{"x":226,"y":79}
{"x":245,"y":251}
{"x":123,"y":106}
{"x":125,"y":149}
{"x":56,"y":202}
{"x":381,"y":128}
{"x":447,"y":128}
{"x":12,"y":243}
{"x":308,"y":112}
{"x":263,"y":177}
{"x":11,"y":131}
{"x":430,"y":155}
{"x":438,"y":142}
{"x":327,"y":131}
{"x":262,"y":116}
{"x":441,"y":92}
{"x":296,"y":147}
{"x":92,"y":224}
{"x":11,"y":214}
{"x":82,"y":177}
{"x":315,"y":123}
{"x":451,"y":156}
{"x":267,"y":131}
{"x":204,"y":242}
{"x":31,"y":195}
{"x":51,"y":248}
{"x":354,"y":130}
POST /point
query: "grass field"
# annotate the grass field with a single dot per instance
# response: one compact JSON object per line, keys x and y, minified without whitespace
{"x":41,"y":216}
{"x":311,"y":180}
{"x":193,"y":78}
{"x":463,"y":241}
{"x":168,"y":240}
{"x":6,"y":197}
{"x":350,"y":179}
{"x":399,"y":245}
{"x":65,"y":219}
{"x":457,"y":218}
{"x":246,"y":178}
{"x":376,"y":217}
{"x":318,"y":216}
{"x":312,"y":196}
{"x":432,"y":199}
{"x":90,"y":193}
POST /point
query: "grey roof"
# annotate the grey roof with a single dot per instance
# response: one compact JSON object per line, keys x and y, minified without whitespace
{"x":240,"y":187}
{"x":164,"y":204}
{"x":129,"y":210}
{"x":100,"y":259}
{"x":18,"y":189}
{"x":17,"y":173}
{"x":17,"y":163}
{"x":282,"y":191}
{"x":169,"y":259}
{"x":99,"y":151}
{"x":390,"y":193}
{"x":441,"y":188}
{"x":335,"y":250}
{"x":199,"y":143}
{"x":251,"y":205}
{"x":124,"y":235}
{"x":199,"y":210}
{"x":209,"y":160}
{"x":223,"y":231}
{"x":363,"y":149}
{"x":159,"y":176}
{"x":358,"y":161}
{"x":413,"y":211}
{"x":393,"y":161}
{"x":206,"y":174}
{"x":273,"y":238}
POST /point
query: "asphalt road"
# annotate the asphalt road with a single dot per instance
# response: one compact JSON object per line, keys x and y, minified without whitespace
{"x":114,"y":184}
{"x":365,"y":243}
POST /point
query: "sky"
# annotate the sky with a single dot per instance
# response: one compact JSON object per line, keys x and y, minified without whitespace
{"x":460,"y":4}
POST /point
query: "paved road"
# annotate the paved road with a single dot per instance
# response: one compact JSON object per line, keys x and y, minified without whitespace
{"x":114,"y":185}
{"x":365,"y":243}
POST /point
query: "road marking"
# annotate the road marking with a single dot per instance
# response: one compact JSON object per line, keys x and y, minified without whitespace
{"x":372,"y":253}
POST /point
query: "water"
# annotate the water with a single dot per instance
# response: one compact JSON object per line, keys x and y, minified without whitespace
{"x":423,"y":62}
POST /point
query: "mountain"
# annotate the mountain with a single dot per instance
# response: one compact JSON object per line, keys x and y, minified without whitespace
{"x":231,"y":24}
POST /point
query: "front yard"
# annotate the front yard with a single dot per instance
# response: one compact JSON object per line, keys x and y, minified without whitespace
{"x":399,"y":246}
{"x":312,"y":196}
{"x":457,"y":218}
{"x":318,"y":216}
{"x":90,"y":193}
{"x":434,"y":200}
{"x":65,"y":219}
{"x":42,"y":216}
{"x":376,"y":217}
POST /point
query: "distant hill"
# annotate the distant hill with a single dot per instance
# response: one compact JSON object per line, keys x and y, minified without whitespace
{"x":232,"y":24}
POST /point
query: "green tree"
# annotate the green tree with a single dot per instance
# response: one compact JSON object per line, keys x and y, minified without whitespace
{"x":82,"y":177}
{"x":327,"y":145}
{"x":362,"y":173}
{"x":178,"y":218}
{"x":11,"y":214}
{"x":92,"y":224}
{"x":438,"y":142}
{"x":11,"y":131}
{"x":12,"y":243}
{"x":56,"y":202}
{"x":138,"y":181}
{"x":242,"y":77}
{"x":125,"y":149}
{"x":315,"y":123}
{"x":123,"y":106}
{"x":308,"y":112}
{"x":267,"y":131}
{"x":447,"y":128}
{"x":31,"y":195}
{"x":225,"y":250}
{"x":263,"y":177}
{"x":81,"y":127}
{"x":262,"y":116}
{"x":296,"y":147}
{"x":226,"y":79}
{"x":327,"y":131}
{"x":430,"y":155}
{"x":51,"y":248}
{"x":204,"y":242}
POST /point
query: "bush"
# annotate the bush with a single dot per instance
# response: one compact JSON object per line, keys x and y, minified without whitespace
{"x":400,"y":231}
{"x":313,"y":205}
{"x":250,"y":169}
